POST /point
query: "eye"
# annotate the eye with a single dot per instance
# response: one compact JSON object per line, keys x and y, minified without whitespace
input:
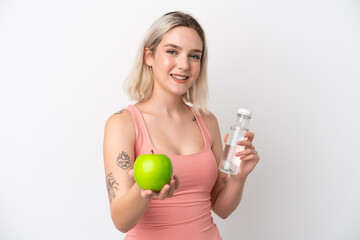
{"x":195,"y":57}
{"x":172,"y":52}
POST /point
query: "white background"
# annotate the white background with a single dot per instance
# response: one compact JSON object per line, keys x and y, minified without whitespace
{"x":295,"y":64}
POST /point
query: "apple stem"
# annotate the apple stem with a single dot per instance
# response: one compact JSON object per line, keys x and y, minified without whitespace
{"x":152,"y":151}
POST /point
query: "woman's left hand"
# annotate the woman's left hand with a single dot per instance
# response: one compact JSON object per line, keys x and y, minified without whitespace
{"x":249,"y":156}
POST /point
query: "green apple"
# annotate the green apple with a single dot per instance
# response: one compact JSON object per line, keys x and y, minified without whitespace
{"x":152,"y":171}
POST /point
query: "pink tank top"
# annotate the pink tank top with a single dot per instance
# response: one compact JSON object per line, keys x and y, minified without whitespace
{"x":187,"y":214}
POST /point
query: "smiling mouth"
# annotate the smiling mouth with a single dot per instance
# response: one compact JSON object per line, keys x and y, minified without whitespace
{"x":179,"y":77}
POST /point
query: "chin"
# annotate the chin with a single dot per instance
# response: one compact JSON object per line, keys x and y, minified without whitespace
{"x":179,"y":92}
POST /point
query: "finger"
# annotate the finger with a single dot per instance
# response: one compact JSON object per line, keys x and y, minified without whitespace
{"x":148,"y":194}
{"x":247,"y":157}
{"x":253,"y":156}
{"x":246,"y":143}
{"x":131,"y":173}
{"x":177,"y":183}
{"x":250,"y":136}
{"x":164,"y":192}
{"x":245,"y":152}
{"x":172,"y":188}
{"x":226,"y":137}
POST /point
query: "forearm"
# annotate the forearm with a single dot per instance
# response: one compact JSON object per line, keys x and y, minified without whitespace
{"x":229,"y":197}
{"x":127,"y":210}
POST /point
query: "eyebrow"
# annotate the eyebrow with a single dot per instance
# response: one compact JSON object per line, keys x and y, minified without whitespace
{"x":177,"y":47}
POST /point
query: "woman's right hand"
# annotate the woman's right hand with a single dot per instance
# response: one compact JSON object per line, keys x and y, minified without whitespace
{"x":166,"y":192}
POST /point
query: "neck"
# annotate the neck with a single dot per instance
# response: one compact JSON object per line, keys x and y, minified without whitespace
{"x":164,"y":103}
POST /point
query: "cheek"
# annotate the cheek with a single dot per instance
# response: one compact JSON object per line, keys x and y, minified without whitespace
{"x":196,"y":69}
{"x":164,"y":62}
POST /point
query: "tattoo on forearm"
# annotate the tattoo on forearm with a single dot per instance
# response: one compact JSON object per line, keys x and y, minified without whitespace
{"x":224,"y":180}
{"x":111,"y":186}
{"x":119,"y":112}
{"x":123,"y":160}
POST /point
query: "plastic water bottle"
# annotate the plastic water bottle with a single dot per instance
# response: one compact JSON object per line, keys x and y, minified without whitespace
{"x":230,"y":163}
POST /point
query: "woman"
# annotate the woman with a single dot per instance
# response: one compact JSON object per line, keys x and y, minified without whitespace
{"x":169,"y":73}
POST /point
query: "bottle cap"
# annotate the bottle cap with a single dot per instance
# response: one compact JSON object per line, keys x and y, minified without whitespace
{"x":243,"y":111}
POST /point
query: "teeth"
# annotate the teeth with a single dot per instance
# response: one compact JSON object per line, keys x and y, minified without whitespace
{"x":178,"y":77}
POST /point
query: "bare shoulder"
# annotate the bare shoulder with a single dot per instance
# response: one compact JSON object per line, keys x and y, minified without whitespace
{"x":210,"y":120}
{"x":213,"y":127}
{"x":120,"y":122}
{"x":119,"y":118}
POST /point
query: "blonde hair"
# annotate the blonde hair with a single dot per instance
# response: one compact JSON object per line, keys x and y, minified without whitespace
{"x":139,"y":82}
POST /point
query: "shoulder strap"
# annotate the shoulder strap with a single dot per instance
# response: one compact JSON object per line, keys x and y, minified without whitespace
{"x":202,"y":125}
{"x":131,"y":109}
{"x":204,"y":128}
{"x":143,"y":142}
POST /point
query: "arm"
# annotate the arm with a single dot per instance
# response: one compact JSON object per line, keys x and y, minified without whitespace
{"x":227,"y":192}
{"x":126,"y":204}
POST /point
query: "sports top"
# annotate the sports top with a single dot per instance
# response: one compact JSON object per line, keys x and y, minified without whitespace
{"x":187,"y":215}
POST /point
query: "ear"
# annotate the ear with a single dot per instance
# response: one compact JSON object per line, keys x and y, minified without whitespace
{"x":148,"y":57}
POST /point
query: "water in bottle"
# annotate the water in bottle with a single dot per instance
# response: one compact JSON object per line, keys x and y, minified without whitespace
{"x":229,"y":162}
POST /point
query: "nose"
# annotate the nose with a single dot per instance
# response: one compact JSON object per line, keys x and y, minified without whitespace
{"x":183,"y":62}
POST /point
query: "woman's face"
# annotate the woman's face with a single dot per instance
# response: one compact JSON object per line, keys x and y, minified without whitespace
{"x":177,"y":60}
